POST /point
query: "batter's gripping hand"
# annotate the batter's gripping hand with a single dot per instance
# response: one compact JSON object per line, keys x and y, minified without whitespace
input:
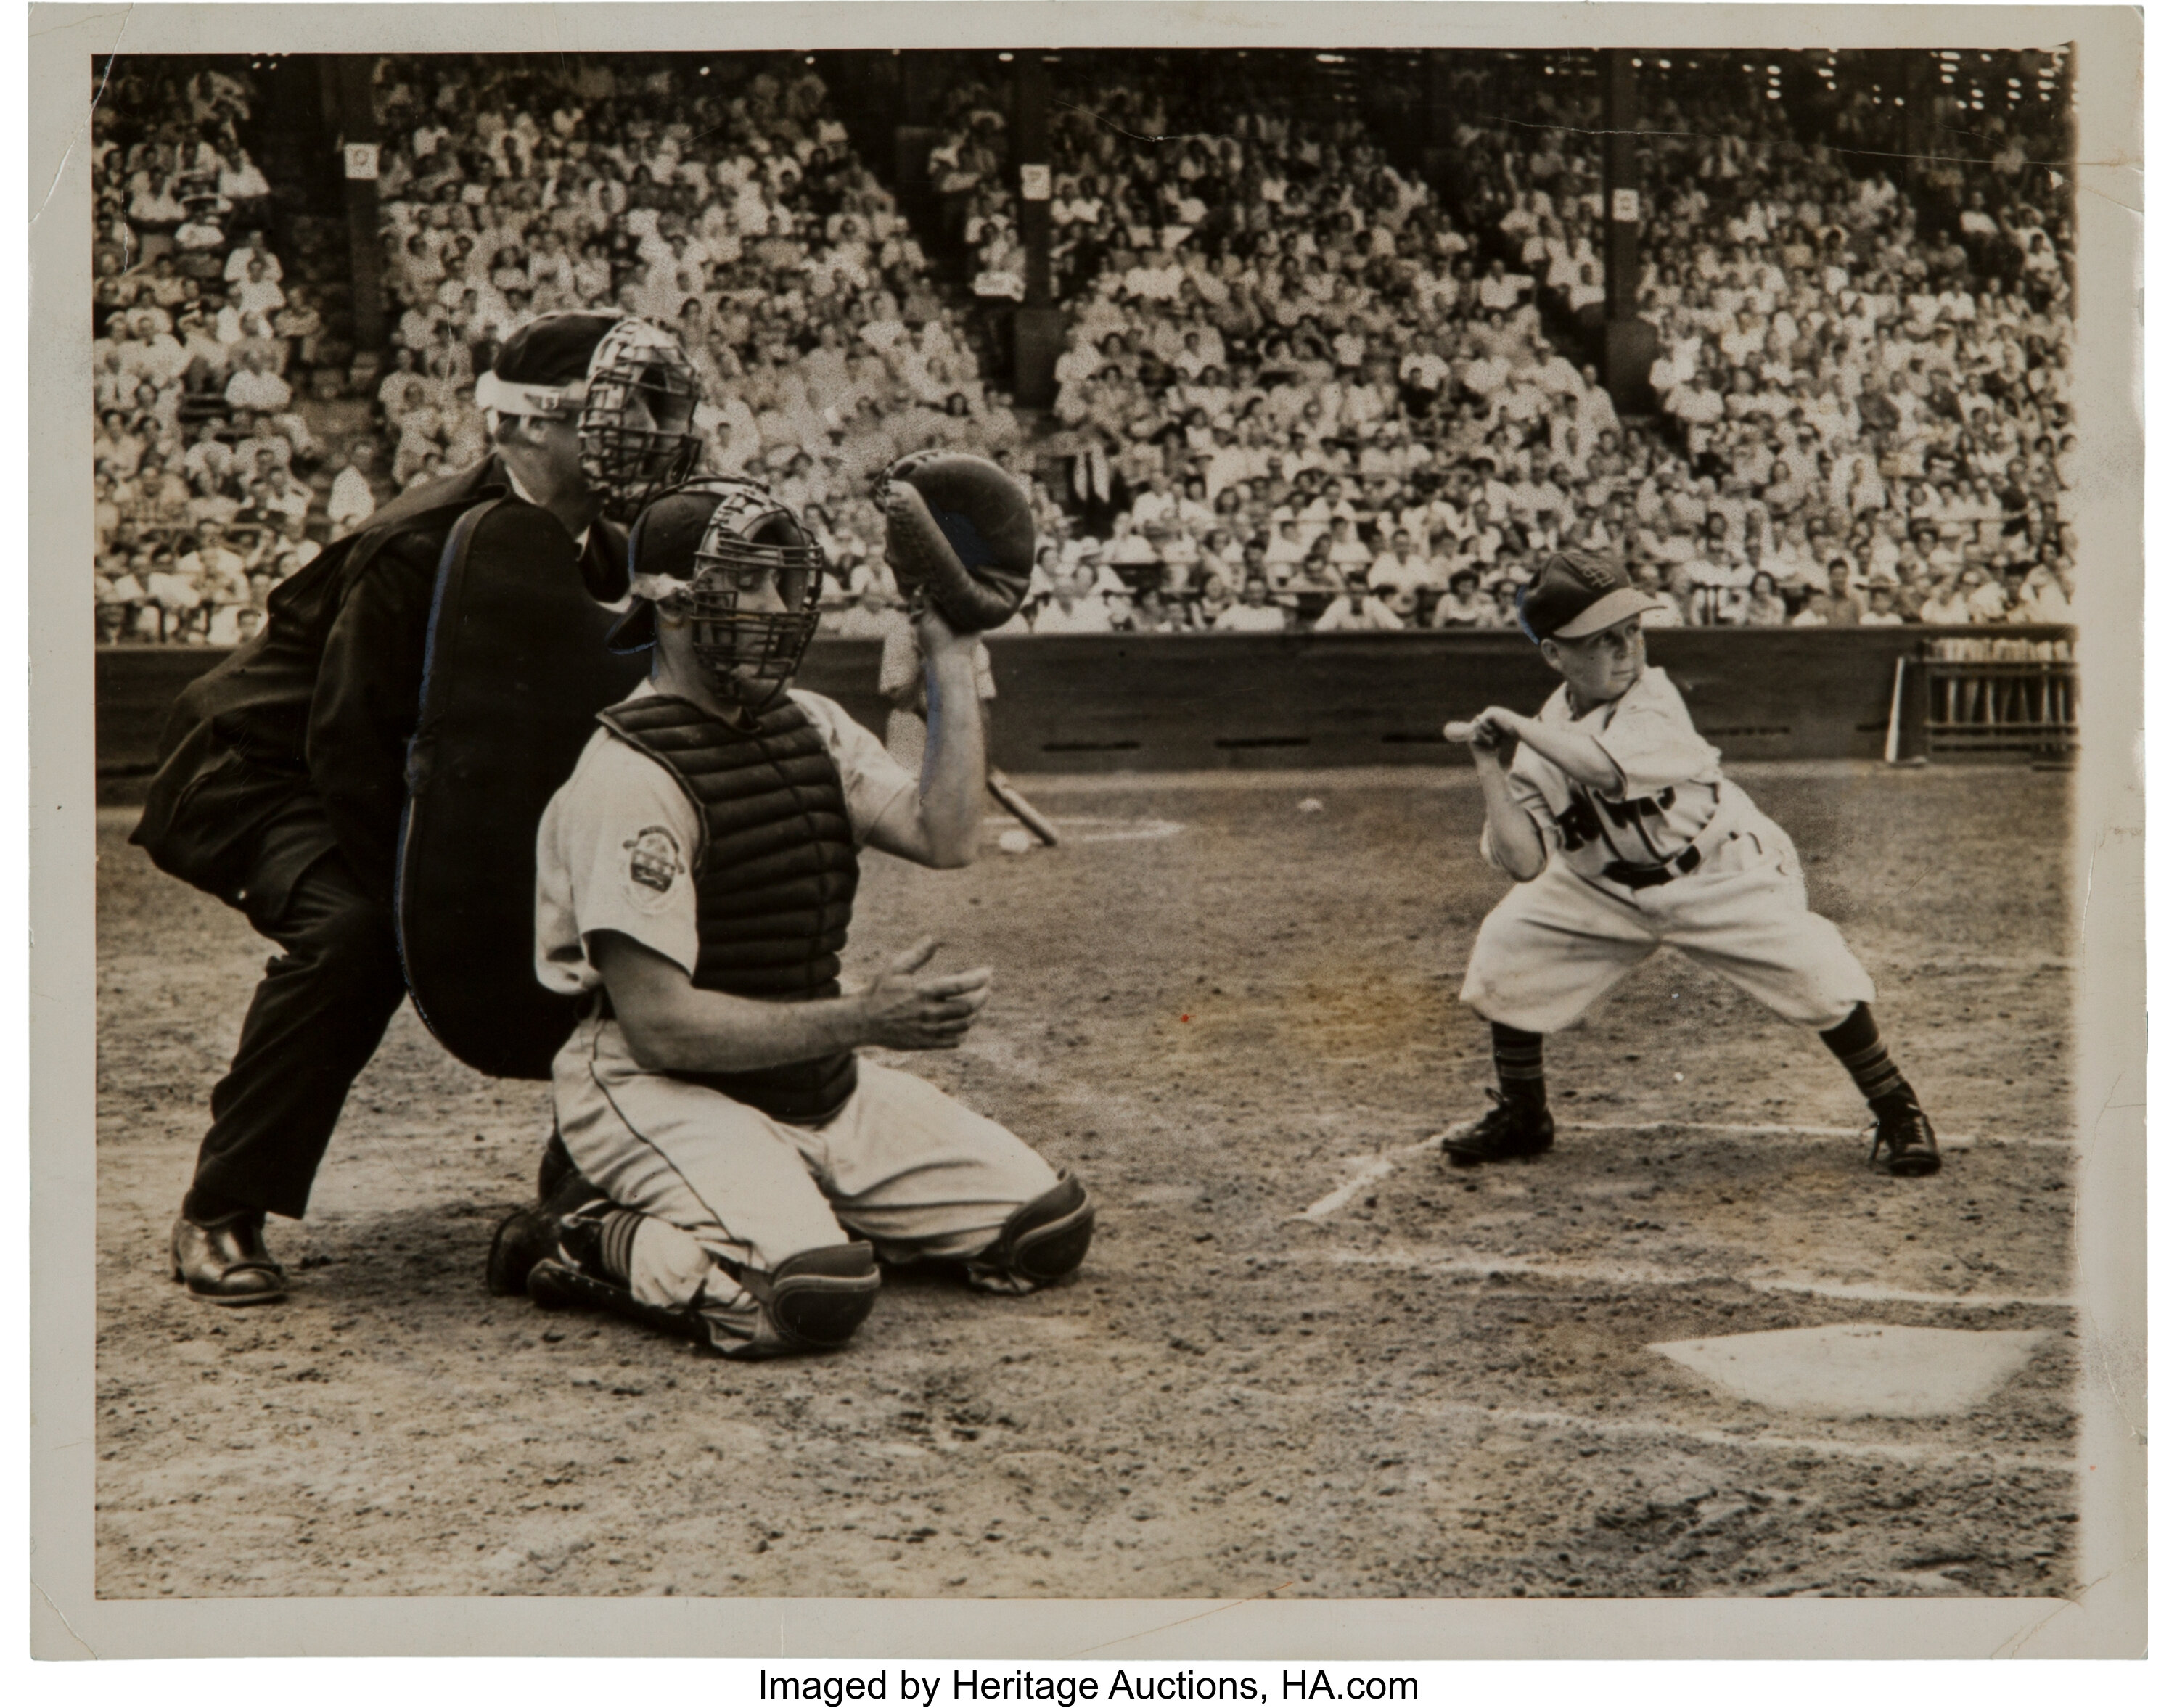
{"x":958,"y":532}
{"x":1484,"y":735}
{"x":931,"y":1012}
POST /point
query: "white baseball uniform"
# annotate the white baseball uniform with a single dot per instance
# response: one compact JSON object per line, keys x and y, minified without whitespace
{"x":902,"y":1165}
{"x":1684,"y":857}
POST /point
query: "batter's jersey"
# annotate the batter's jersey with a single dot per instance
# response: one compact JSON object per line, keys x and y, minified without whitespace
{"x":1674,"y":785}
{"x":617,"y":846}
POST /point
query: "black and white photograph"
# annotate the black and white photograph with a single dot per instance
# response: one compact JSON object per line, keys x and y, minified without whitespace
{"x":1071,"y":816}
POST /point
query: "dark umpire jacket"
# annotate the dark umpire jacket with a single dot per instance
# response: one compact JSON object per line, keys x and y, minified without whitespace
{"x":304,"y":730}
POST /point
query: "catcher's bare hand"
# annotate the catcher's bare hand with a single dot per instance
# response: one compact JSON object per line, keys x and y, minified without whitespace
{"x":908,"y":1009}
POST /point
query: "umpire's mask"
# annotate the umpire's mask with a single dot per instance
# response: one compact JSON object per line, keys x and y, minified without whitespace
{"x":727,"y":556}
{"x":627,"y":386}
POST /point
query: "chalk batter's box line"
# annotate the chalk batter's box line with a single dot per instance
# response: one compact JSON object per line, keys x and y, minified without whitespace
{"x":1385,"y":1162}
{"x":1482,"y":1265}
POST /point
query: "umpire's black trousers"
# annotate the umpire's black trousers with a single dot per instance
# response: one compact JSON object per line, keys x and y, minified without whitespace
{"x":317,"y":1017}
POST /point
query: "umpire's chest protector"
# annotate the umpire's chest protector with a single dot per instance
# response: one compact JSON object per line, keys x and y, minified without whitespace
{"x":515,"y":671}
{"x":774,"y":875}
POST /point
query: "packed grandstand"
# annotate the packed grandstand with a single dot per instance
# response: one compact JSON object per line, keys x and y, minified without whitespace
{"x":1314,"y":374}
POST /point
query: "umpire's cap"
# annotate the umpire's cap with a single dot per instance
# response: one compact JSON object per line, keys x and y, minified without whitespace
{"x":1578,"y":593}
{"x":553,"y":349}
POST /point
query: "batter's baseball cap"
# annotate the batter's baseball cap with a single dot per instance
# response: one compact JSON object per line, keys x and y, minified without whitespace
{"x":1578,"y":593}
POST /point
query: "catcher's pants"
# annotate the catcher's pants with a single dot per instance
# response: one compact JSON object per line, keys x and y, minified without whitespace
{"x":1555,"y":945}
{"x":902,"y":1166}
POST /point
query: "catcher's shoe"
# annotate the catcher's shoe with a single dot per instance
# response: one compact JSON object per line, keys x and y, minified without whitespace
{"x":1042,"y":1242}
{"x":226,"y":1262}
{"x":537,"y":1231}
{"x":1904,"y":1140}
{"x":1507,"y":1131}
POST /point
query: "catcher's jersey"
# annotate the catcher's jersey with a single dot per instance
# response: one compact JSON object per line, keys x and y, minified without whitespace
{"x":1674,"y":785}
{"x":617,"y":846}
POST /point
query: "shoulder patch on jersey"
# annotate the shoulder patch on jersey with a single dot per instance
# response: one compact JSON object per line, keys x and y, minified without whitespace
{"x":654,"y":865}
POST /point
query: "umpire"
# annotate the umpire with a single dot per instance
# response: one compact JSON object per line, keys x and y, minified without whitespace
{"x":282,"y":777}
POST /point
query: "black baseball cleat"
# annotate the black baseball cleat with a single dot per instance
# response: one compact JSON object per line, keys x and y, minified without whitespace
{"x":1904,"y":1140}
{"x":1507,"y":1131}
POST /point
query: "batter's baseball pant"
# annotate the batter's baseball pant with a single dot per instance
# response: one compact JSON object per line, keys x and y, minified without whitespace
{"x":1554,"y":946}
{"x":317,"y":1018}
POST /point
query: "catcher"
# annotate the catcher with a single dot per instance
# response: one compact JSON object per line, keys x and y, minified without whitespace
{"x":733,"y":1169}
{"x":286,"y":770}
{"x":1622,"y":833}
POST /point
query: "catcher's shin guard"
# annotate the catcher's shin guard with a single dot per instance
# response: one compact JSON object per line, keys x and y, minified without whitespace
{"x":557,"y":1285}
{"x":812,"y":1302}
{"x":1043,"y":1241}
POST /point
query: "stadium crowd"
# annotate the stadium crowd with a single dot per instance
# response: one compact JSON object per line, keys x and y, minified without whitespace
{"x":1303,"y":388}
{"x":199,"y":450}
{"x":724,"y":200}
{"x":1292,"y":362}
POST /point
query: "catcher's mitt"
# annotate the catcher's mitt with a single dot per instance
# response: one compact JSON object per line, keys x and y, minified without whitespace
{"x":958,"y":531}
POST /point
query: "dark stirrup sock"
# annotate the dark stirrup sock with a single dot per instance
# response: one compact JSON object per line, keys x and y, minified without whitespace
{"x":1856,"y":1042}
{"x":1518,"y":1064}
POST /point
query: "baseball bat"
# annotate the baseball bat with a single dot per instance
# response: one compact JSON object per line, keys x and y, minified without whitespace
{"x":1016,"y":804}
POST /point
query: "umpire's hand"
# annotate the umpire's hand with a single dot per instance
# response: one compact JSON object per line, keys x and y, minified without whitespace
{"x":902,"y":1011}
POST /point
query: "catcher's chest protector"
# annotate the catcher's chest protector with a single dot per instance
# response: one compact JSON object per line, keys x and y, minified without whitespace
{"x":514,"y":671}
{"x":774,"y":876}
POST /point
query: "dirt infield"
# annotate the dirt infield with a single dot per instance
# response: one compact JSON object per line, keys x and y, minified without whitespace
{"x":1304,"y":1358}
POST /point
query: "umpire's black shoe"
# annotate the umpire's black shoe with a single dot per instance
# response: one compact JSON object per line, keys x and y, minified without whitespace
{"x":1507,"y":1131}
{"x":1904,"y":1139}
{"x":225,"y":1262}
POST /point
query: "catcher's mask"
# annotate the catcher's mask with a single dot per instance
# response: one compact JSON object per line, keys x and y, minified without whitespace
{"x":633,"y":410}
{"x":728,"y":558}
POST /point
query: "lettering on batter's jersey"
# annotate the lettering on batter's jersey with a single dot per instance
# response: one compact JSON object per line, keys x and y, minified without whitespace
{"x":1577,"y":824}
{"x":1581,"y":822}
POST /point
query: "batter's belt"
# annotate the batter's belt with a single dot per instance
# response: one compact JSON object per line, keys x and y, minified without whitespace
{"x":1714,"y":835}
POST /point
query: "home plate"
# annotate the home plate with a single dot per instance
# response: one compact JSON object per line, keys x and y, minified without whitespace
{"x":1852,"y":1369}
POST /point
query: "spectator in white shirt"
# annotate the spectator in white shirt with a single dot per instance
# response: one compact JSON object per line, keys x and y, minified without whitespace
{"x":1356,"y":608}
{"x":1400,"y":569}
{"x":1254,"y":614}
{"x":352,"y":499}
{"x":1074,"y":610}
{"x":1463,"y":606}
{"x":1347,"y":551}
{"x":257,"y":292}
